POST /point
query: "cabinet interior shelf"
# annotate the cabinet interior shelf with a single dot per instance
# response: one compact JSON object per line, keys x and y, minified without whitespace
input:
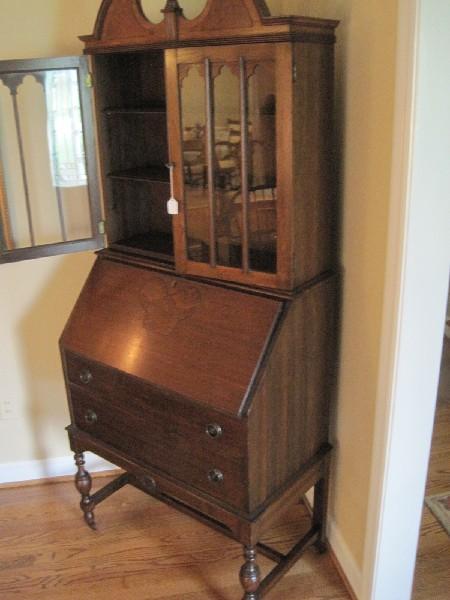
{"x":154,"y":244}
{"x":149,"y":173}
{"x":157,"y":109}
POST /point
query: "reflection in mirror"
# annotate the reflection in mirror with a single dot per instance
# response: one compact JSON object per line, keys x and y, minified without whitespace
{"x":43,"y":185}
{"x":262,"y":167}
{"x":227,"y":158}
{"x":193,"y":105}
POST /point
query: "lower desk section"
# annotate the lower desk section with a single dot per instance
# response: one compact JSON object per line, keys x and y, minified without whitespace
{"x":241,"y":526}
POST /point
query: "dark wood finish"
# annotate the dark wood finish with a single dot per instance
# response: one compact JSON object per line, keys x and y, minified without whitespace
{"x":154,"y":431}
{"x":314,"y":210}
{"x":289,"y":414}
{"x":210,"y":385}
{"x":244,"y":164}
{"x":179,"y":328}
{"x":211,"y":162}
{"x":121,"y":25}
{"x":287,"y":563}
{"x":83,"y":483}
{"x":320,"y":511}
{"x":131,"y":113}
{"x":250,"y":574}
{"x":232,"y":55}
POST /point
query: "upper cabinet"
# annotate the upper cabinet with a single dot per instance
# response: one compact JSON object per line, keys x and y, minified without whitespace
{"x":216,"y":140}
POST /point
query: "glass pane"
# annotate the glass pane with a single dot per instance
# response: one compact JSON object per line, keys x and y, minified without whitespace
{"x":227,"y":157}
{"x":45,"y":195}
{"x":262,"y":167}
{"x":193,"y":119}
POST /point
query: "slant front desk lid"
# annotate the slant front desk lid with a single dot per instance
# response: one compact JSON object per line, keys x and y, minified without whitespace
{"x":201,"y":341}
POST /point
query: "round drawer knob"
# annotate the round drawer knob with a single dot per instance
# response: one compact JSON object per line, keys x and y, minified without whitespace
{"x":215,"y":476}
{"x":86,"y":376}
{"x":214,"y":430}
{"x":90,"y":417}
{"x":149,"y":483}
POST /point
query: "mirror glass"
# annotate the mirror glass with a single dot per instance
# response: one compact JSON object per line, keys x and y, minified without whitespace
{"x":193,"y":121}
{"x":44,"y":197}
{"x":262,"y":166}
{"x":227,"y":159}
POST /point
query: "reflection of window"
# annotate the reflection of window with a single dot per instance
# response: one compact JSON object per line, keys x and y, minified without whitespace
{"x":65,"y":132}
{"x":49,"y":200}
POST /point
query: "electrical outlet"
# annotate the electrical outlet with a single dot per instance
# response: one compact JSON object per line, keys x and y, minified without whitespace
{"x":7,"y":409}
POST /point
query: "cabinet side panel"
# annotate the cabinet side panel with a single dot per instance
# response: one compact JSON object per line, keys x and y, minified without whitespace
{"x":289,"y":420}
{"x":315,"y":218}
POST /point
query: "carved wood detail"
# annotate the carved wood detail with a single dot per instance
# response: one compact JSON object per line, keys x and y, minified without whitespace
{"x":83,"y":483}
{"x":171,"y":13}
{"x":124,"y":19}
{"x":250,"y":575}
{"x":122,"y":23}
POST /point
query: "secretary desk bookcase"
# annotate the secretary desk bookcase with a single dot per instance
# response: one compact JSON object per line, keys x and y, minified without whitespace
{"x":200,"y":354}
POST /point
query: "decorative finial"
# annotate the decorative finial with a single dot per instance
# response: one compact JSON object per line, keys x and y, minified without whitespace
{"x":172,"y":6}
{"x":172,"y":11}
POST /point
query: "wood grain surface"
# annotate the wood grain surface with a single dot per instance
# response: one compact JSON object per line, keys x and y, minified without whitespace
{"x":163,"y":329}
{"x":143,"y":550}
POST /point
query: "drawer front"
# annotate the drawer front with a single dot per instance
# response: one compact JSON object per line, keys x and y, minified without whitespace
{"x":174,"y":418}
{"x":90,"y":375}
{"x":179,"y":440}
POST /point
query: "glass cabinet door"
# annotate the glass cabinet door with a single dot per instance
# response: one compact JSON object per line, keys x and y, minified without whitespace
{"x":228,"y":184}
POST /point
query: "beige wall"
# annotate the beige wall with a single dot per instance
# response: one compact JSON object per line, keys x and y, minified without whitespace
{"x":36,"y":297}
{"x":365,"y":101}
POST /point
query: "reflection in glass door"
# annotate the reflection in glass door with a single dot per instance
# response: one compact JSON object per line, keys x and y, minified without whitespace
{"x":229,"y":160}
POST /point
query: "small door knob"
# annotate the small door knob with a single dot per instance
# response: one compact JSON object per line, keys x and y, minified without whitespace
{"x":149,"y":483}
{"x":214,"y":430}
{"x":215,"y":476}
{"x":90,"y":417}
{"x":86,"y":376}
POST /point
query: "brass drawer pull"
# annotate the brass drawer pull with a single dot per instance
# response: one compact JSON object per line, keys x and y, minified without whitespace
{"x":215,"y":476}
{"x":214,"y":430}
{"x":86,"y":376}
{"x":90,"y":417}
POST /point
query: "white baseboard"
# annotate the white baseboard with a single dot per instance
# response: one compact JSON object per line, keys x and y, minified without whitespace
{"x":50,"y":467}
{"x":345,"y":559}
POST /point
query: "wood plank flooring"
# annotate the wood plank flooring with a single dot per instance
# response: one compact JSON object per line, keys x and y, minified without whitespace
{"x":143,"y":550}
{"x":432,"y":578}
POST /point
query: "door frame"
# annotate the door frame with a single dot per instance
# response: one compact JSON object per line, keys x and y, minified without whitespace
{"x":417,"y":272}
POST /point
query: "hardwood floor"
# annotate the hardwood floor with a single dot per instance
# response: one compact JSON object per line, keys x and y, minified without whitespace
{"x":143,"y":550}
{"x":432,"y":579}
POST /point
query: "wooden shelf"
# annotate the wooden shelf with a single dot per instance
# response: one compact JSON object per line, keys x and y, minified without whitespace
{"x":154,"y":244}
{"x":150,"y":173}
{"x":157,"y":109}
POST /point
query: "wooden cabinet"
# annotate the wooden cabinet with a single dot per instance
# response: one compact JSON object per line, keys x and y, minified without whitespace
{"x":200,"y":356}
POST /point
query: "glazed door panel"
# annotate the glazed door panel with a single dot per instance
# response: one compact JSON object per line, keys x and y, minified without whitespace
{"x":229,"y":151}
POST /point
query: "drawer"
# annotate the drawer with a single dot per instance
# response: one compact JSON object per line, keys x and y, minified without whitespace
{"x":176,"y":419}
{"x":90,"y":375}
{"x":156,"y":431}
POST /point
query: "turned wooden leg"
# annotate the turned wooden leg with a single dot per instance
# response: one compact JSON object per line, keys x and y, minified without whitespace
{"x":250,"y":574}
{"x":320,"y":512}
{"x":83,"y":483}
